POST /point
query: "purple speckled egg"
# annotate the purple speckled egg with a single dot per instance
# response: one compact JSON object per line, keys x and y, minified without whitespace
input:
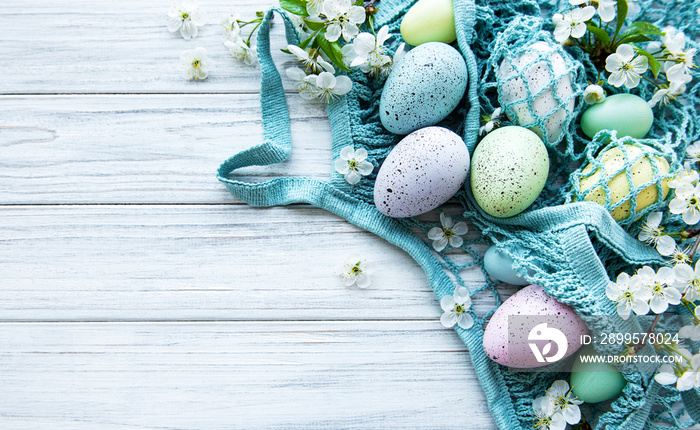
{"x":424,"y":170}
{"x":531,"y":329}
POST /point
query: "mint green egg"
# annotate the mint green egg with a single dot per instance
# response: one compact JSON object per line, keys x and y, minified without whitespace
{"x":429,"y":21}
{"x":628,"y":114}
{"x":595,"y":382}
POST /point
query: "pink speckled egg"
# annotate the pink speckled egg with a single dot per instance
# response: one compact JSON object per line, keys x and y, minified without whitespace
{"x":423,"y":171}
{"x":531,"y":329}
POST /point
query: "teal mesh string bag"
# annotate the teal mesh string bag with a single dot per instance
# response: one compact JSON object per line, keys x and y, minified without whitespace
{"x":572,"y":249}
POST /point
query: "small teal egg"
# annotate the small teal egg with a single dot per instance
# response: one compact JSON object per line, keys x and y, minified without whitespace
{"x":595,"y":382}
{"x":627,"y":114}
{"x":500,"y":266}
{"x":423,"y":88}
{"x":509,"y":169}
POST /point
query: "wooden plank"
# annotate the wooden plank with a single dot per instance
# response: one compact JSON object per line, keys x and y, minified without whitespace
{"x":85,"y":46}
{"x":143,"y":148}
{"x":230,"y":262}
{"x":313,"y":375}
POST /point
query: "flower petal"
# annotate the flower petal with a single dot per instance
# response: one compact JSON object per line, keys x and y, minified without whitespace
{"x":342,"y":166}
{"x":460,"y":228}
{"x":456,"y":241}
{"x":333,"y":32}
{"x":447,"y":303}
{"x":436,"y":233}
{"x":343,"y":85}
{"x":363,"y":280}
{"x":461,"y":296}
{"x":447,"y":319}
{"x":440,"y":244}
{"x":665,"y":245}
{"x":365,"y":168}
{"x":466,"y":321}
{"x":347,"y":153}
{"x":658,"y":305}
{"x":353,"y":177}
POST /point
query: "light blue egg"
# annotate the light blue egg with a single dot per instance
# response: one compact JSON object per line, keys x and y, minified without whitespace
{"x":500,"y":266}
{"x":424,"y":87}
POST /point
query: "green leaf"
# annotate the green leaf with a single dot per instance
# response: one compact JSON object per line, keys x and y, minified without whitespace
{"x":641,"y":27}
{"x":654,"y":64}
{"x":621,"y":15}
{"x":600,"y":34}
{"x":308,"y":40}
{"x":332,"y":50}
{"x":313,"y":25}
{"x":635,"y":38}
{"x":297,"y":7}
{"x":359,"y":3}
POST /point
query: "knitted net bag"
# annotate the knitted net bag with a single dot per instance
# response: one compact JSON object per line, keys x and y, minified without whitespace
{"x":570,"y":247}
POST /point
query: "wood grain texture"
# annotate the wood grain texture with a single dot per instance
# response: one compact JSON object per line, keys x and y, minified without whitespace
{"x":315,"y":375}
{"x":144,"y":148}
{"x":232,"y":262}
{"x":137,"y":293}
{"x":85,"y":46}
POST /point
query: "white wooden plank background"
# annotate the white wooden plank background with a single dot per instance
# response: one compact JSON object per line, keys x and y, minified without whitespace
{"x":136,"y":292}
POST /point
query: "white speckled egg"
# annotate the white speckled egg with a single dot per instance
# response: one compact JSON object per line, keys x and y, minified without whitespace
{"x":508,"y":339}
{"x":423,"y":171}
{"x":423,"y":88}
{"x":509,"y":169}
{"x":533,"y":64}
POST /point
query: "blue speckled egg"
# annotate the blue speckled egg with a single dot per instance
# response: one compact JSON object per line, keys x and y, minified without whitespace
{"x":424,"y":87}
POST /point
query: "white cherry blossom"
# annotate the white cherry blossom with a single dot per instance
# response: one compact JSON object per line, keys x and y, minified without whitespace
{"x":565,"y":402}
{"x":371,"y":56}
{"x":664,"y":96}
{"x":606,"y":8}
{"x":450,"y":233}
{"x":688,"y":280}
{"x":195,"y":64}
{"x":455,"y":309}
{"x":593,"y":94}
{"x":652,"y":233}
{"x":314,"y":62}
{"x":545,"y":416}
{"x":661,"y":285}
{"x":329,"y":87}
{"x":629,"y":295}
{"x":692,"y":153}
{"x":240,"y":50}
{"x":232,"y":29}
{"x":687,"y":202}
{"x":625,"y":66}
{"x":305,"y":88}
{"x":353,"y":164}
{"x":572,"y":23}
{"x":357,"y":272}
{"x":185,"y":17}
{"x":343,"y":18}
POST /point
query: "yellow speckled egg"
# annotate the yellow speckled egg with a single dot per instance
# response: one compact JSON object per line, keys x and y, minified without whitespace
{"x":509,"y":169}
{"x":642,"y":172}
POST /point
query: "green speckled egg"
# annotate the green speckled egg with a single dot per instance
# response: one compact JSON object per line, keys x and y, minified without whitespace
{"x":509,"y":169}
{"x":628,"y":114}
{"x":595,"y":382}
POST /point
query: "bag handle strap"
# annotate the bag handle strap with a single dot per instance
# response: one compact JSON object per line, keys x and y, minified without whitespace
{"x":277,"y":144}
